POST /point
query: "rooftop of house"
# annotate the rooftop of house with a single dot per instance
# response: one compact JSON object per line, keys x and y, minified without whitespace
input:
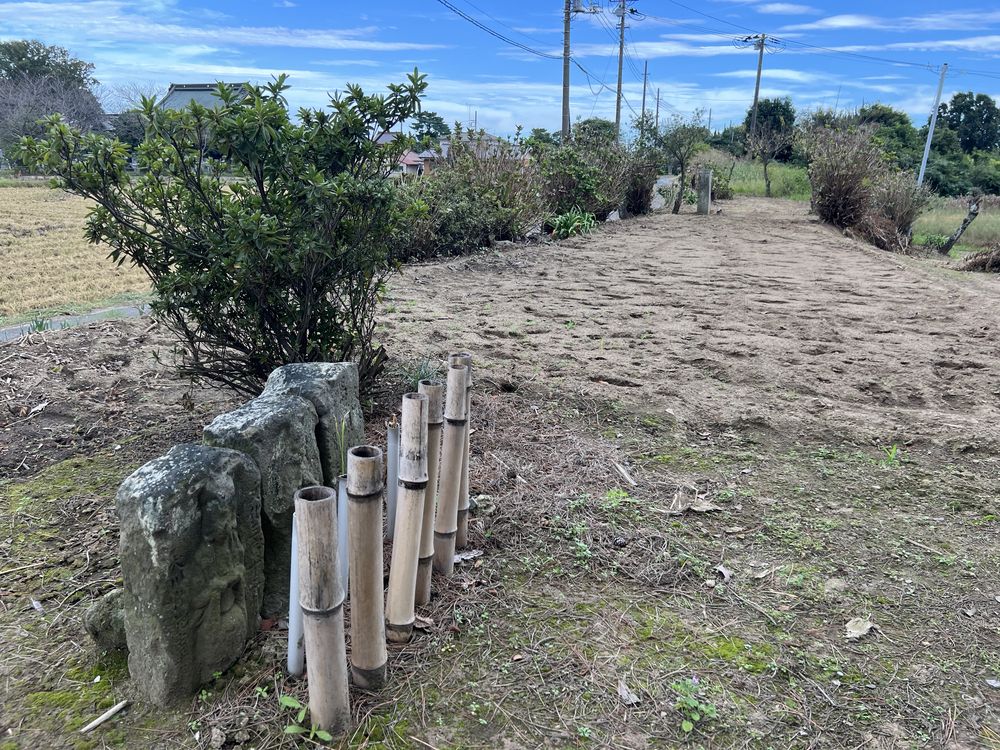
{"x":180,"y":95}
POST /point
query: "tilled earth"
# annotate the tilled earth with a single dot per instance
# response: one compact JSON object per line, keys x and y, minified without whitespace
{"x":707,"y":449}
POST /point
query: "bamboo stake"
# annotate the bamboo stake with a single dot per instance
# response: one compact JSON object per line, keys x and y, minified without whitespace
{"x":409,"y":515}
{"x":365,"y":466}
{"x":434,"y":390}
{"x":296,"y":647}
{"x":462,"y":531}
{"x":446,"y":523}
{"x":343,"y":543}
{"x":392,"y":476}
{"x":104,"y":717}
{"x":322,"y":601}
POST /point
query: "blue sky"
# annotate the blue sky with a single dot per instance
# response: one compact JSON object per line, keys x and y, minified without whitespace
{"x":689,"y":46}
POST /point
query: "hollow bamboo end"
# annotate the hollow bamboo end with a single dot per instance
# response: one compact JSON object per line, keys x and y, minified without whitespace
{"x":315,"y":493}
{"x":463,"y":358}
{"x":369,"y":679}
{"x":423,"y":590}
{"x":444,"y":552}
{"x":434,"y":390}
{"x":454,"y":408}
{"x":365,"y":468}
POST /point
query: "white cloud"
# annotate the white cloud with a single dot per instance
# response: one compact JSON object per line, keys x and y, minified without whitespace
{"x":943,"y":21}
{"x":112,"y":19}
{"x":777,"y":74}
{"x":285,"y":4}
{"x":845,"y":21}
{"x":786,"y":9}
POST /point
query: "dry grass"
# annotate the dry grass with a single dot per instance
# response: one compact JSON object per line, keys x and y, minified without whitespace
{"x":46,"y":263}
{"x":945,"y":218}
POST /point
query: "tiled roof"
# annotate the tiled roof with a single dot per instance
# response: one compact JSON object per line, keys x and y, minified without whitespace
{"x":181,"y":94}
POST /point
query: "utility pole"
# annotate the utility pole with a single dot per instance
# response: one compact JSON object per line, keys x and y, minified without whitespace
{"x":709,"y":119}
{"x":567,"y":14}
{"x":759,"y":44}
{"x":657,"y":110}
{"x":621,"y":58}
{"x":645,"y":79}
{"x":930,"y":130}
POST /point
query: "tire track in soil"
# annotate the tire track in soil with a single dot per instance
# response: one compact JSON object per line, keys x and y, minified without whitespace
{"x":758,"y":317}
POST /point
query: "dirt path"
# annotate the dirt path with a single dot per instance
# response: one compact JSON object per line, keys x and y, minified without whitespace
{"x":758,"y":317}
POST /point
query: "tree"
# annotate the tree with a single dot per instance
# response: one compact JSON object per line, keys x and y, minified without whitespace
{"x":540,"y":139}
{"x":29,"y":58}
{"x":777,"y":116}
{"x":895,"y":134}
{"x":286,"y":262}
{"x":594,"y":132}
{"x":681,"y":140}
{"x":25,"y":100}
{"x":765,"y":144}
{"x":976,"y":120}
{"x":430,"y":126}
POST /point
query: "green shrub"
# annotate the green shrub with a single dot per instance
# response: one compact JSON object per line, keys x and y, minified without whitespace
{"x":641,"y":177}
{"x":586,"y":173}
{"x":276,"y":253}
{"x":571,"y":223}
{"x":486,"y":191}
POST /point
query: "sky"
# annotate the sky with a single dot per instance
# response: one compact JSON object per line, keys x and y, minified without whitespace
{"x":822,"y":54}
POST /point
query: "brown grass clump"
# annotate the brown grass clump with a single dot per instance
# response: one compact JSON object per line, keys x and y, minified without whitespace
{"x":987,"y":261}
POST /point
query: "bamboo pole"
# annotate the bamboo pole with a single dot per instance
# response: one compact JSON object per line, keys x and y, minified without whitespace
{"x":343,"y":541}
{"x":322,"y":601}
{"x":392,"y":476}
{"x":296,"y":647}
{"x":409,"y":515}
{"x":446,"y":523}
{"x":434,"y":390}
{"x":462,"y":531}
{"x":365,"y":466}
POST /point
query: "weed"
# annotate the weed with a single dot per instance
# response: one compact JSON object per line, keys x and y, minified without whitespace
{"x":892,"y":456}
{"x":295,"y":725}
{"x":414,"y":371}
{"x":692,"y":708}
{"x":575,"y":221}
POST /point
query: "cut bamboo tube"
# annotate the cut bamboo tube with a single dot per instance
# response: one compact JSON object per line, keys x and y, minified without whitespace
{"x":296,"y":647}
{"x":446,"y":523}
{"x":322,"y":601}
{"x":343,"y":542}
{"x":392,"y":476}
{"x":462,"y":530}
{"x":434,"y":390}
{"x":409,"y":515}
{"x":365,"y":466}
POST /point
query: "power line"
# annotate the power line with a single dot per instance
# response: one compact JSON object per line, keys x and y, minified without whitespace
{"x":496,"y":34}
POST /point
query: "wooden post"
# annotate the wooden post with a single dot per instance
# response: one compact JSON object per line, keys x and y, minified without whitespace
{"x":434,"y":390}
{"x":409,"y":515}
{"x":462,"y":531}
{"x":704,"y":190}
{"x":322,"y":601}
{"x":450,"y":480}
{"x":365,"y":466}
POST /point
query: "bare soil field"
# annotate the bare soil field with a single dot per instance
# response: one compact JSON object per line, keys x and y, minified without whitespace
{"x":738,"y":479}
{"x":45,"y":261}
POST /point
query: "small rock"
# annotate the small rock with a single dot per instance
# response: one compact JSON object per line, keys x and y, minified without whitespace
{"x":105,"y":621}
{"x":217,"y":739}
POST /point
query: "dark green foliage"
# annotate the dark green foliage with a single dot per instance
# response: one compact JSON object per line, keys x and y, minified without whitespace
{"x":900,"y":141}
{"x":975,"y":119}
{"x":585,"y":174}
{"x":774,"y":116}
{"x":429,"y":125}
{"x":279,"y":252}
{"x":594,"y":133}
{"x":540,"y":139}
{"x":29,"y":58}
{"x":732,"y":140}
{"x":679,"y":141}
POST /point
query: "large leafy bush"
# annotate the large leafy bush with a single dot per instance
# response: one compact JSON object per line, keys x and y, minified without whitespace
{"x":488,"y":189}
{"x":274,"y":252}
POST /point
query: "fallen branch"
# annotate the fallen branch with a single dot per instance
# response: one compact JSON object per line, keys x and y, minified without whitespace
{"x":104,"y":717}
